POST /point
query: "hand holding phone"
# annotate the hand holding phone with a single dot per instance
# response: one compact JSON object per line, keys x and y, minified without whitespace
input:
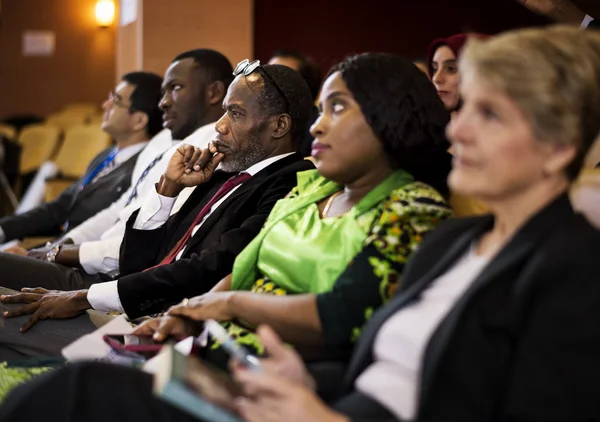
{"x":134,"y":346}
{"x":230,"y":346}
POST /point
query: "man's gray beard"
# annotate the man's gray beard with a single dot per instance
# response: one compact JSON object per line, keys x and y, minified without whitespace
{"x":242,"y":160}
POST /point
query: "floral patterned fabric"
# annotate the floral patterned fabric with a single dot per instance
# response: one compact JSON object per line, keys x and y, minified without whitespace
{"x":395,"y":228}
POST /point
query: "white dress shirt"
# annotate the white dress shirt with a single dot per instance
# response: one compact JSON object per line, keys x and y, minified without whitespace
{"x":123,"y":155}
{"x":94,"y":227}
{"x":99,"y":250}
{"x":104,"y":297}
{"x":393,"y":378}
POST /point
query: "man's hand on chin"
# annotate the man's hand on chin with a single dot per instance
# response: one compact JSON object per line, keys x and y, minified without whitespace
{"x":46,"y":304}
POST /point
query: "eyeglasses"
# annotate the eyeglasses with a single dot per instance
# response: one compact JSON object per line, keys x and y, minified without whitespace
{"x":246,"y":67}
{"x":115,"y":100}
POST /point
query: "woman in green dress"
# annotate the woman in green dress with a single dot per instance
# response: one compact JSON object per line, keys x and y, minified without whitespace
{"x":333,"y":250}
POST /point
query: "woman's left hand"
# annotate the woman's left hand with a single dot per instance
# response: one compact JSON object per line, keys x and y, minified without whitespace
{"x":212,"y":305}
{"x":274,"y":399}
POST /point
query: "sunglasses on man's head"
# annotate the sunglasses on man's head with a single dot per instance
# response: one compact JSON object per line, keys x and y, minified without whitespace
{"x":246,"y":67}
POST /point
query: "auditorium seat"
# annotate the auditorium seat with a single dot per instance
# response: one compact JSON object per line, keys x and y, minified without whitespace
{"x":585,"y":195}
{"x":38,"y":142}
{"x":8,"y":131}
{"x":81,"y":144}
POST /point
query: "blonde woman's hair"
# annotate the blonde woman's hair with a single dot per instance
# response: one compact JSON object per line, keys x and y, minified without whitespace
{"x":553,"y":74}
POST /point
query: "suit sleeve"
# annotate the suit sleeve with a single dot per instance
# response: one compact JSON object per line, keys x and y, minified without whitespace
{"x":93,"y":228}
{"x":373,"y":276}
{"x":555,"y":371}
{"x":140,"y":249}
{"x":153,"y":291}
{"x":45,"y":220}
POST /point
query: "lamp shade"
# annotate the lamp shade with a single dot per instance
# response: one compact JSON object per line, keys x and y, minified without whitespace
{"x":105,"y":12}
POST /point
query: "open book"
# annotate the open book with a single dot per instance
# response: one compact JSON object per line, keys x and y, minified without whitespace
{"x":195,"y":387}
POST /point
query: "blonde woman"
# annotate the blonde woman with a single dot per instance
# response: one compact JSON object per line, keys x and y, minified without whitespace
{"x":498,"y":315}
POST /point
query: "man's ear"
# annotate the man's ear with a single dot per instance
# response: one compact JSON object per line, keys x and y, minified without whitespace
{"x":215,"y":93}
{"x":283,"y":125}
{"x":140,"y":121}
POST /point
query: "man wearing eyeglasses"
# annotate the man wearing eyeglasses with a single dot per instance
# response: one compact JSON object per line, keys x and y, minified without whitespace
{"x":131,"y":118}
{"x":165,"y":258}
{"x":193,"y":89}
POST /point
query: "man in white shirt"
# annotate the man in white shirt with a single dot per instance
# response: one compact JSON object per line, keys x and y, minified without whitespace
{"x":194,"y":87}
{"x":131,"y":118}
{"x":169,"y":257}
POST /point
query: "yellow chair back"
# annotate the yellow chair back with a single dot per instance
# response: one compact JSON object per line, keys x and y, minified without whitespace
{"x":585,"y":195}
{"x":8,"y":131}
{"x":88,"y":108}
{"x":65,"y":121}
{"x":38,"y":142}
{"x":463,"y":206}
{"x":81,"y":144}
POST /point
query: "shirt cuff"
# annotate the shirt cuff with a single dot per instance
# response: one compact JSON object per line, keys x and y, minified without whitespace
{"x":74,"y":236}
{"x":586,"y":22}
{"x":155,"y":212}
{"x":100,"y":256}
{"x":104,"y":297}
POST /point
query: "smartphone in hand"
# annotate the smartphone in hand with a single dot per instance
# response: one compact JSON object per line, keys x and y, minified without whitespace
{"x":134,"y":346}
{"x":228,"y":344}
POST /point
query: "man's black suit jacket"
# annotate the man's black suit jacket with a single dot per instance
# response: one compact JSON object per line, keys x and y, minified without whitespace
{"x":523,"y":341}
{"x":74,"y":205}
{"x":210,"y":253}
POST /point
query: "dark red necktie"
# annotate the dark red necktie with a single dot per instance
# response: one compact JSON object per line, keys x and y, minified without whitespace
{"x":226,"y":188}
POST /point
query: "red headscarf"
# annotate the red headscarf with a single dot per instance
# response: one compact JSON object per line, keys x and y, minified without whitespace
{"x":455,"y":43}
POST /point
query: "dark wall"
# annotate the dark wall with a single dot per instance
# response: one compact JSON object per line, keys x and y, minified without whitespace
{"x":328,"y":30}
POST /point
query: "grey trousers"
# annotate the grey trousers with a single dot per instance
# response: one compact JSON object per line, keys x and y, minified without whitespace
{"x":17,"y":272}
{"x":46,"y":338}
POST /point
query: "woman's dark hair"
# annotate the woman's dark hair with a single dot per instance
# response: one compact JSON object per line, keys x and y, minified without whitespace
{"x":404,"y":111}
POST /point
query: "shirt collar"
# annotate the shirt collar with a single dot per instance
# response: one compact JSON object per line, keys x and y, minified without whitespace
{"x":126,"y":153}
{"x":252,"y":170}
{"x":207,"y":129}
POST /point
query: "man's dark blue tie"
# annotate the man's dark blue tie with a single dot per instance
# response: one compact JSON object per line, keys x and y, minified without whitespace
{"x":100,"y":170}
{"x":104,"y":164}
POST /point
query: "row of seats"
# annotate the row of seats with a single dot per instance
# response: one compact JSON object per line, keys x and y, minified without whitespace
{"x":80,"y":144}
{"x":76,"y":114}
{"x":72,"y":115}
{"x":70,"y":138}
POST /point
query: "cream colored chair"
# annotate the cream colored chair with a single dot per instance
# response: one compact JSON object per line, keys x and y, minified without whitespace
{"x":66,"y":121}
{"x":81,"y":110}
{"x":463,"y":206}
{"x":89,"y":108}
{"x":8,"y":131}
{"x":38,"y":142}
{"x":81,"y":144}
{"x":96,"y":120}
{"x":585,"y":195}
{"x":77,"y":113}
